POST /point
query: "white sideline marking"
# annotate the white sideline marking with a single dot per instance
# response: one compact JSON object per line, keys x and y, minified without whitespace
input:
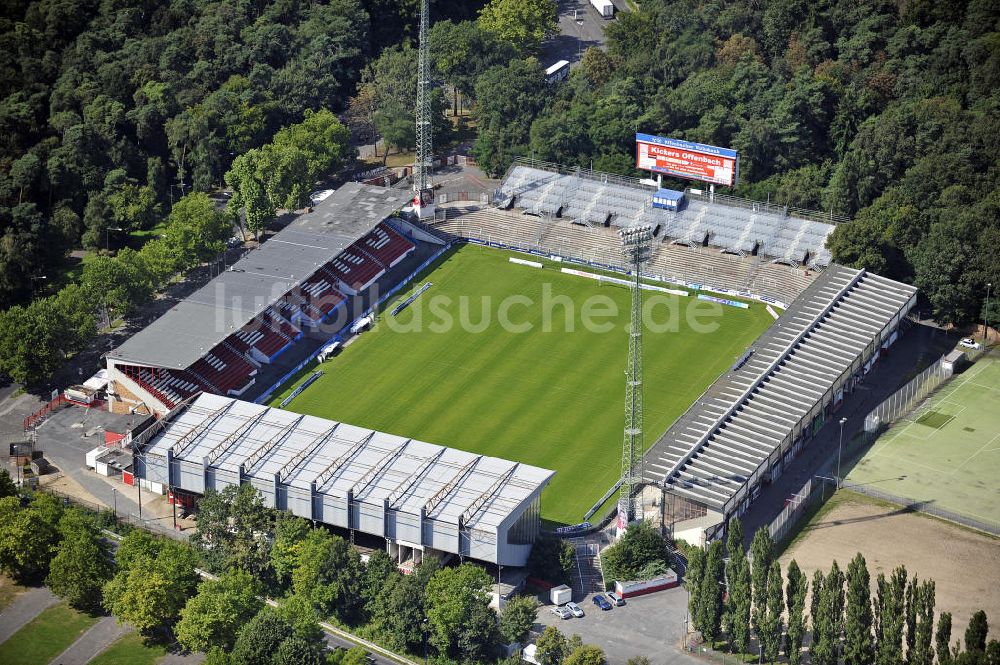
{"x":772,"y":312}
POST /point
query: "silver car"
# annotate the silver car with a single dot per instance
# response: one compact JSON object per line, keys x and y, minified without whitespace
{"x":575,"y":609}
{"x":562,"y":612}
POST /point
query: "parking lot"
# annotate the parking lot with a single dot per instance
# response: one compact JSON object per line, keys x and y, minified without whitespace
{"x":580,"y":27}
{"x":651,"y":626}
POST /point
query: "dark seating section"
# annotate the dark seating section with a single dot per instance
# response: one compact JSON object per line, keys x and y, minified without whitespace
{"x":385,"y":245}
{"x":169,"y":386}
{"x":283,"y":327}
{"x":355,"y":269}
{"x":224,"y":370}
{"x":230,"y":368}
{"x":262,"y":335}
{"x":320,"y":292}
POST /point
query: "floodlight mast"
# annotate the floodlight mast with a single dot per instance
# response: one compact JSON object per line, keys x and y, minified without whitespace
{"x":423,"y":165}
{"x":636,"y":247}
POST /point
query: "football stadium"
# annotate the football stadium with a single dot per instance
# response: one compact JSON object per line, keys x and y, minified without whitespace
{"x":448,"y":383}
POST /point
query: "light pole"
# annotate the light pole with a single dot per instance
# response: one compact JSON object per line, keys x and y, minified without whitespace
{"x":840,"y":449}
{"x":107,"y":236}
{"x":986,"y":316}
{"x":114,"y":502}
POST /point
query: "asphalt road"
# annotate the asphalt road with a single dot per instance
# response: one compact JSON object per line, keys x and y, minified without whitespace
{"x":580,"y":27}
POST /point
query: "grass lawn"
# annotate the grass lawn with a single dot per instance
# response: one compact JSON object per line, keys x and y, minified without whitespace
{"x":551,"y":397}
{"x":947,"y":453}
{"x":130,"y":649}
{"x":46,"y":636}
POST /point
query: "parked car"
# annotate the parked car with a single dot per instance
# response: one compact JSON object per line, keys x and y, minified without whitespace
{"x":575,"y":609}
{"x":616,"y":598}
{"x":602,"y":602}
{"x":970,"y":343}
{"x":562,"y":612}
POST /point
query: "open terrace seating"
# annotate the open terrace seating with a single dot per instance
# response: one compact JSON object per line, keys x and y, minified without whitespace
{"x":224,"y":370}
{"x":321,"y":294}
{"x":385,"y":245}
{"x":261,"y":336}
{"x":355,"y":270}
{"x":169,"y":386}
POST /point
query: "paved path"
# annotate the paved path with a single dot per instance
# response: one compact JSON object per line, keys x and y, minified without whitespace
{"x":97,"y":638}
{"x":24,"y":608}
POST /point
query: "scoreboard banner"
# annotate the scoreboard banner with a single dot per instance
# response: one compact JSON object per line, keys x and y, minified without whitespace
{"x":684,"y":159}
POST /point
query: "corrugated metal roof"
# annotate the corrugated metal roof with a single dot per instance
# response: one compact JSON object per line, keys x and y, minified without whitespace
{"x":191,"y":328}
{"x":340,"y":458}
{"x":710,"y":453}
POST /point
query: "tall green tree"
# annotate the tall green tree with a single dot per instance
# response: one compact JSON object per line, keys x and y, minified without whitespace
{"x":517,"y":618}
{"x":740,"y":597}
{"x":858,"y":645}
{"x":975,"y":634}
{"x":289,"y":533}
{"x":773,"y":624}
{"x":942,"y":639}
{"x":7,"y":486}
{"x":829,"y":619}
{"x":923,"y":651}
{"x":327,"y":573}
{"x":710,"y":592}
{"x":28,"y":537}
{"x":81,"y":566}
{"x":762,"y":553}
{"x":235,"y":530}
{"x":452,"y":595}
{"x":215,"y":615}
{"x":795,"y":601}
{"x":522,"y":24}
{"x":588,"y":654}
{"x":259,"y":638}
{"x":196,"y":229}
{"x":692,"y":582}
{"x":890,"y":607}
{"x":550,"y":647}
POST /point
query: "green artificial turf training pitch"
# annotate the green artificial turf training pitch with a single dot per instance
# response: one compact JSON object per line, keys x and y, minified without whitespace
{"x":948,"y":455}
{"x":551,"y":397}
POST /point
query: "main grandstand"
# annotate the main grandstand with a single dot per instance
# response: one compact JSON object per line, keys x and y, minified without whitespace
{"x":224,"y":336}
{"x":422,"y":498}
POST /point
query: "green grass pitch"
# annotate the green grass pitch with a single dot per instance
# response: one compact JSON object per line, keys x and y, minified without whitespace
{"x":552,"y":397}
{"x":948,"y":453}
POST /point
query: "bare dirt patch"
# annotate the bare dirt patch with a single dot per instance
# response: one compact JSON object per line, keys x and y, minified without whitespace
{"x":964,"y":565}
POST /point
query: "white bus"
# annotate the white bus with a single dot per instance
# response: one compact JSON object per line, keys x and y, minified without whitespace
{"x":557,"y":72}
{"x":605,"y":8}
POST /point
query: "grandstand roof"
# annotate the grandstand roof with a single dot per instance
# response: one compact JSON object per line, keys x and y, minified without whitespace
{"x":339,"y":458}
{"x":724,"y":441}
{"x":192,"y":327}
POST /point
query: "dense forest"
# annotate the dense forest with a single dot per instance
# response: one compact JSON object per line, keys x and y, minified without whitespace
{"x":112,"y":109}
{"x":885,"y":111}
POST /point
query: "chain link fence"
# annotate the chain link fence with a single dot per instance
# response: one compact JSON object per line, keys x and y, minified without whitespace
{"x":988,"y":526}
{"x":902,"y":402}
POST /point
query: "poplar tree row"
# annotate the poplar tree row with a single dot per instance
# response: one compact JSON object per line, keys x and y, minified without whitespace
{"x":745,"y":598}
